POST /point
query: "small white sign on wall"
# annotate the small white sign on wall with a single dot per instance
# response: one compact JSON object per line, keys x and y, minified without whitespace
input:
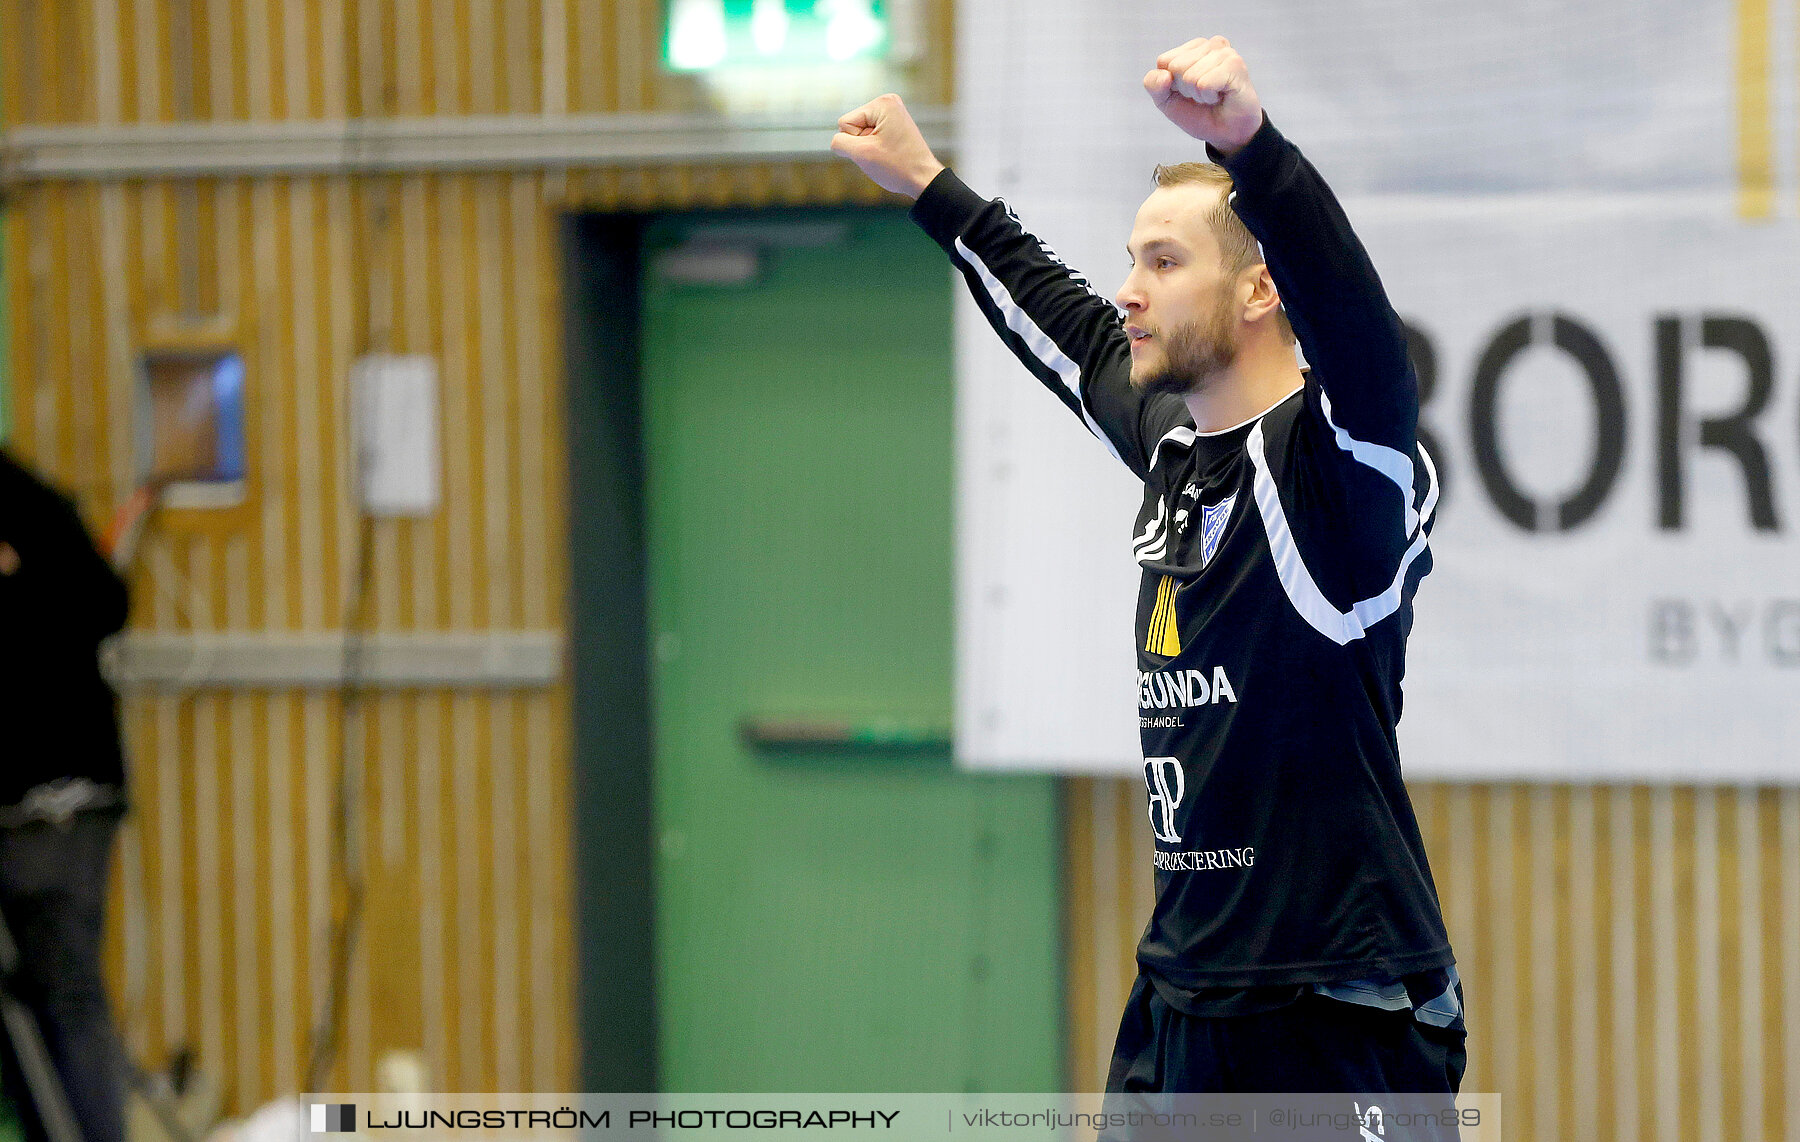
{"x":396,"y":432}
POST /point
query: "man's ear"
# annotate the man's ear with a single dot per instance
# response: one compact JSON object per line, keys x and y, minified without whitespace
{"x":1261,"y":298}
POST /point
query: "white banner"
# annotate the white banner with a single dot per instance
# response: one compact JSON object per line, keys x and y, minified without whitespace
{"x":1607,"y":304}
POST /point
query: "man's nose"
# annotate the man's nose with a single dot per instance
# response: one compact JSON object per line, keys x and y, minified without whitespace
{"x":1129,"y":296}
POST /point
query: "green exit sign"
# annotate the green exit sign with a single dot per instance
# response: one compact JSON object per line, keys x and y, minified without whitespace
{"x":699,"y":35}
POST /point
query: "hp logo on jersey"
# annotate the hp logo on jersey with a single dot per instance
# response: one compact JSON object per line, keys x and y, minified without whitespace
{"x":1213,"y":518}
{"x":1156,"y":780}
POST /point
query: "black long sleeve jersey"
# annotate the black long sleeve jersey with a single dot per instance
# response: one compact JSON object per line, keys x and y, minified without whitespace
{"x":59,"y":598}
{"x":1280,"y":558}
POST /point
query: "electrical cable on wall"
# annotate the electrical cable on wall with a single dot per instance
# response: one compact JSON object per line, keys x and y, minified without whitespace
{"x":347,"y":855}
{"x":346,"y":846}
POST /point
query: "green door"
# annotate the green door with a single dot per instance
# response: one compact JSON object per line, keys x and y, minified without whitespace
{"x":838,"y":918}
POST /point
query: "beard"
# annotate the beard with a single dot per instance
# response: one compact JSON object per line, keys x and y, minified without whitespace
{"x":1193,"y":352}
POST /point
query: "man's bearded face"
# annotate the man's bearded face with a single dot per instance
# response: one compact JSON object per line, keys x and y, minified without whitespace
{"x":1181,"y":359}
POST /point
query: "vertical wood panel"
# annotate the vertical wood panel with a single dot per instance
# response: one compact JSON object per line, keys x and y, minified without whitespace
{"x":433,"y":902}
{"x":1748,"y":929}
{"x":1505,"y":927}
{"x":1665,"y":998}
{"x":172,"y":900}
{"x":108,"y":63}
{"x":1581,"y":1075}
{"x":250,"y":993}
{"x":1789,"y":920}
{"x":209,"y":897}
{"x":1626,"y":946}
{"x":1707,"y":1040}
{"x":1544,"y":921}
{"x":592,"y":76}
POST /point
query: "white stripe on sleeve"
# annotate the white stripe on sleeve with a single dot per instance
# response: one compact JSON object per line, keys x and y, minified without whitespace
{"x":1303,"y":592}
{"x":1390,"y":462}
{"x":1036,"y":340}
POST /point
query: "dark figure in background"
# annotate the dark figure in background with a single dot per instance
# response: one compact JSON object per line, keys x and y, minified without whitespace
{"x":62,"y":786}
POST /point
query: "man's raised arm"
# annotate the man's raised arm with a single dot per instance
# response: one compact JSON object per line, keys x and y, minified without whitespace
{"x":1329,"y":288}
{"x":1065,"y":333}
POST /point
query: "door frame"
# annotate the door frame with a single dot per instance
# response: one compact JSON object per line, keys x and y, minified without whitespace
{"x":611,"y":711}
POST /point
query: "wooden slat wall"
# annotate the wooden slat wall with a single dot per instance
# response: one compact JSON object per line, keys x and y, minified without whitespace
{"x":466,"y":795}
{"x":1631,"y":954}
{"x":226,"y":887}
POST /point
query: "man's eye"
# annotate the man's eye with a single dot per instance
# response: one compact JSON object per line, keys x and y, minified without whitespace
{"x":1164,"y":263}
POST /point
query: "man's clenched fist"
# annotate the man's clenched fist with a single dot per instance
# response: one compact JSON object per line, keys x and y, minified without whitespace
{"x":1204,"y":88}
{"x":882,"y":139}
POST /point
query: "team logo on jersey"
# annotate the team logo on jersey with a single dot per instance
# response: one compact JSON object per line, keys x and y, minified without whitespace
{"x":1154,"y":542}
{"x":1164,"y":637}
{"x":1213,"y":518}
{"x":1156,"y":780}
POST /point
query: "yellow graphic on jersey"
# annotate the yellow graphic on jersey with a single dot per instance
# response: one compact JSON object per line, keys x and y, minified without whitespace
{"x":1165,"y":629}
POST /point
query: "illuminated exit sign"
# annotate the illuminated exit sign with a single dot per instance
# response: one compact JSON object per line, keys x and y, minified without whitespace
{"x":699,"y":35}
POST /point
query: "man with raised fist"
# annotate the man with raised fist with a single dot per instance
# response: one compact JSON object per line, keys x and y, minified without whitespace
{"x":1296,"y":942}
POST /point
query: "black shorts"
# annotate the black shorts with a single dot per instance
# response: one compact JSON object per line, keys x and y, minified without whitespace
{"x":1313,"y":1045}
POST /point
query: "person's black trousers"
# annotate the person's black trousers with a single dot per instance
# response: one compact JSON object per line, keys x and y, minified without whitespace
{"x":53,"y":897}
{"x":1315,"y":1045}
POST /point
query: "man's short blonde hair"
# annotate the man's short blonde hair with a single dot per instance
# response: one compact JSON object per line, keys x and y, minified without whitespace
{"x":1238,"y":250}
